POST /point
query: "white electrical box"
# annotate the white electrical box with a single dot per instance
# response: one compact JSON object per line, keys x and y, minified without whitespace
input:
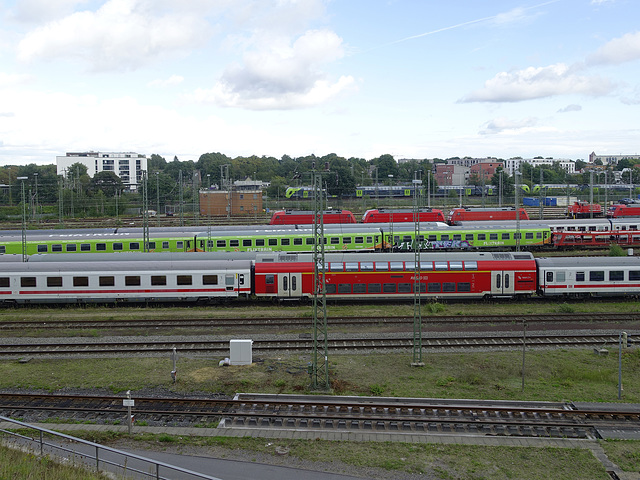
{"x":240,"y":352}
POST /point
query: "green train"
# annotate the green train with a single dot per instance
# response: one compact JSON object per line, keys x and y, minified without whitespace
{"x":344,"y":238}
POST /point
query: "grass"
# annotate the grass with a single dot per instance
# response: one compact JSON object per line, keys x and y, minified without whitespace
{"x":26,"y":466}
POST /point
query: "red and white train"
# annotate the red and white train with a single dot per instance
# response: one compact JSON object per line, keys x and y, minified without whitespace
{"x":285,"y":276}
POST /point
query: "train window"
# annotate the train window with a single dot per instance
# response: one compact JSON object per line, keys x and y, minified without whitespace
{"x":404,"y":288}
{"x":382,"y":266}
{"x":396,"y":266}
{"x":260,"y":242}
{"x":441,"y":265}
{"x":134,"y":246}
{"x":285,"y":241}
{"x":406,"y":238}
{"x":56,"y":248}
{"x":549,"y":276}
{"x":359,"y":240}
{"x":592,"y":228}
{"x":28,"y":281}
{"x":633,"y":227}
{"x":42,"y":249}
{"x":359,"y":288}
{"x":106,"y":281}
{"x":221,"y":243}
{"x":434,"y":287}
{"x":158,"y":280}
{"x":457,"y":236}
{"x":101,"y":247}
{"x":596,"y":276}
{"x":80,"y":281}
{"x":448,"y":287}
{"x":152,"y":245}
{"x":538,"y":234}
{"x":132,"y":280}
{"x":468,"y":236}
{"x":616,"y":275}
{"x":330,"y":288}
{"x":528,"y":235}
{"x":184,"y":280}
{"x":234,"y":243}
{"x":346,"y":240}
{"x":375,"y":288}
{"x":344,"y":288}
{"x":350,"y":267}
{"x":560,"y":277}
{"x":294,"y":282}
{"x":506,"y":280}
{"x":498,"y":281}
{"x":482,"y":236}
{"x":432,"y":238}
{"x":3,"y":249}
{"x":396,"y":239}
{"x":230,"y":278}
{"x":4,"y":281}
{"x":455,"y":265}
{"x":421,"y":238}
{"x":389,"y":288}
{"x":270,"y":279}
{"x":336,"y":266}
{"x":310,"y":241}
{"x":470,"y":265}
{"x":423,"y":288}
{"x":426,"y":265}
{"x":493,"y":236}
{"x":369,"y":240}
{"x":117,"y":247}
{"x":54,"y":281}
{"x":517,"y":236}
{"x":335,"y":240}
{"x":366,"y":266}
{"x":246,"y":242}
{"x":464,"y":286}
{"x":179,"y":244}
{"x":71,"y":247}
{"x":444,"y":238}
{"x":273,"y":242}
{"x":579,"y":276}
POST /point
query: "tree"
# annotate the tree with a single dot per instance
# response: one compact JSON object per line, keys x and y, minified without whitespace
{"x":107,"y":182}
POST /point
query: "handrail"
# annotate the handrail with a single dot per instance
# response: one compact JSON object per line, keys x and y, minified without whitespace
{"x":122,"y":464}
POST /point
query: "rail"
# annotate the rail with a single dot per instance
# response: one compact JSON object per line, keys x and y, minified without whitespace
{"x":99,"y":454}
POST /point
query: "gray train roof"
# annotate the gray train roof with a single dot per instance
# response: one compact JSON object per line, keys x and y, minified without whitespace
{"x":588,"y":262}
{"x":133,"y":256}
{"x":125,"y":266}
{"x":396,"y":256}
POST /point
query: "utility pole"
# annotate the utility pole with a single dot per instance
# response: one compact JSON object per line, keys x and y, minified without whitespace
{"x":145,"y":211}
{"x":24,"y":221}
{"x":417,"y":285}
{"x":320,"y":357}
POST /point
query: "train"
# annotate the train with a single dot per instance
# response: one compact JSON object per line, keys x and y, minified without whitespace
{"x":479,"y":214}
{"x":301,"y":217}
{"x":623,"y":210}
{"x":214,"y":278}
{"x":294,"y":238}
{"x":397,"y":215}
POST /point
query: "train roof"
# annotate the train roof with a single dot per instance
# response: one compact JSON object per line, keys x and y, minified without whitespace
{"x":266,"y":257}
{"x":588,"y":262}
{"x":121,"y":265}
{"x":486,"y":209}
{"x":132,"y":257}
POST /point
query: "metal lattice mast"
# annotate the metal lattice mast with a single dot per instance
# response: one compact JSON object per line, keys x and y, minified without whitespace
{"x":145,"y":211}
{"x":417,"y":285}
{"x":320,"y":357}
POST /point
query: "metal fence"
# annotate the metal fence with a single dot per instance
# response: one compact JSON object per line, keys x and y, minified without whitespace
{"x":103,"y":458}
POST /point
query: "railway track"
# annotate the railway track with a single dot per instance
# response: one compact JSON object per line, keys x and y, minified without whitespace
{"x":416,"y":416}
{"x":342,"y":344}
{"x":304,"y":322}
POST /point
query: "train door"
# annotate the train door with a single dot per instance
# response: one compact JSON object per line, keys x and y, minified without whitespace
{"x":290,"y":285}
{"x":502,"y":282}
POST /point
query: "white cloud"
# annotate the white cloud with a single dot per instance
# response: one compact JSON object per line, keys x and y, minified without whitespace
{"x":278,"y":74}
{"x":539,"y":82}
{"x":43,"y":10}
{"x":167,"y":82}
{"x":618,"y":50}
{"x":501,"y":124}
{"x":120,"y":35}
{"x":570,"y":108}
{"x":13,"y":79}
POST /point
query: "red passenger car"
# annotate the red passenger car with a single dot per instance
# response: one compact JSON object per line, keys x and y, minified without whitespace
{"x":385,"y":215}
{"x":392,"y":276}
{"x":299,"y":217}
{"x":485,"y":214}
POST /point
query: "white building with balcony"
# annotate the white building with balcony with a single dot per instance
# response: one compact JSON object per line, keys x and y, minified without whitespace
{"x":126,"y":165}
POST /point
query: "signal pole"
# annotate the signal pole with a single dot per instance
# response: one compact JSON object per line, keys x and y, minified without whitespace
{"x":145,"y":211}
{"x":417,"y":285}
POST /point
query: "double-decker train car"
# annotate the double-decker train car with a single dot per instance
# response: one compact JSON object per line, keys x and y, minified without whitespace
{"x":485,"y":214}
{"x":393,"y":215}
{"x":393,"y":276}
{"x":299,"y":217}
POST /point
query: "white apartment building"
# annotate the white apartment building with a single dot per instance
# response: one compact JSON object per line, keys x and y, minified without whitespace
{"x":126,"y":165}
{"x":513,"y":164}
{"x":611,"y":159}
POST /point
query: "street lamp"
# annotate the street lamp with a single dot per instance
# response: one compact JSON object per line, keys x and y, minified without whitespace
{"x":24,"y":221}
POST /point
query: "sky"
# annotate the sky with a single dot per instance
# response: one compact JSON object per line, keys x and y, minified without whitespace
{"x":358,"y":78}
